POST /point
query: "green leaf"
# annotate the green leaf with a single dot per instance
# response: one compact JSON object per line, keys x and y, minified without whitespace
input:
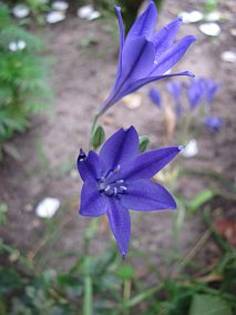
{"x":200,"y":199}
{"x":98,"y":137}
{"x":143,"y":143}
{"x":209,"y":305}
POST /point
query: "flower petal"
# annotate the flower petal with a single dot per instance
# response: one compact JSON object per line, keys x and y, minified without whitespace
{"x":144,"y":24}
{"x":147,"y":195}
{"x":92,"y":203}
{"x":137,"y":59}
{"x":119,"y":220}
{"x":165,"y":37}
{"x":155,"y":97}
{"x":149,"y":163}
{"x":90,"y":167}
{"x":138,"y":84}
{"x":121,"y":146}
{"x":122,"y":40}
{"x":168,"y":59}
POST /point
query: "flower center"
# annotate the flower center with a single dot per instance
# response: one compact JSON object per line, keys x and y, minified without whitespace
{"x":111,"y":186}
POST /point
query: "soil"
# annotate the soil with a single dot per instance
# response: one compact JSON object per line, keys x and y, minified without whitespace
{"x":84,"y":55}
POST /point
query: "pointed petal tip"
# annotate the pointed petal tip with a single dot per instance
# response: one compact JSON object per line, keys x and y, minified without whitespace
{"x":117,"y":8}
{"x":181,"y":147}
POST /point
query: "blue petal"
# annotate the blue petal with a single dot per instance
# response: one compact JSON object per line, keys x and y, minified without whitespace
{"x":155,"y":97}
{"x":92,"y":203}
{"x":144,"y":24}
{"x":119,"y":220}
{"x":146,"y":195}
{"x":165,"y":37}
{"x":120,"y":147}
{"x":149,"y":163}
{"x":195,"y":93}
{"x":122,"y":39}
{"x":138,"y":84}
{"x":90,"y":167}
{"x":137,"y":59}
{"x":168,"y":59}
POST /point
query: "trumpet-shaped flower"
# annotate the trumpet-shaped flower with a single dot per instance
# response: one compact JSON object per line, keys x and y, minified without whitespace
{"x":119,"y":179}
{"x":146,"y":55}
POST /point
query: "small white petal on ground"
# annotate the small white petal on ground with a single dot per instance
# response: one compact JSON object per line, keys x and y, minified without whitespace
{"x":21,"y":11}
{"x":60,"y":6}
{"x":210,"y":29}
{"x":191,"y":17}
{"x":55,"y":17}
{"x":85,"y":11}
{"x":214,"y":16}
{"x":47,"y":207}
{"x":228,"y":56}
{"x":191,"y":149}
{"x":133,"y":101}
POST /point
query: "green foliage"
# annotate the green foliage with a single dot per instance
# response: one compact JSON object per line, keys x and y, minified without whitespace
{"x":98,"y":137}
{"x":23,"y":89}
{"x":143,"y":143}
{"x":209,"y":305}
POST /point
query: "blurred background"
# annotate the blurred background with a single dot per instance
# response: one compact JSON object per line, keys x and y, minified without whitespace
{"x":57,"y":63}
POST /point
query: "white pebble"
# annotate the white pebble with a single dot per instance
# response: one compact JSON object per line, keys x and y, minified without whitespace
{"x":191,"y":149}
{"x":210,"y":29}
{"x":20,"y":11}
{"x":55,"y":17}
{"x":213,"y":16}
{"x":60,"y":6}
{"x":85,"y":11}
{"x":229,"y":56}
{"x":191,"y":17}
{"x":47,"y":207}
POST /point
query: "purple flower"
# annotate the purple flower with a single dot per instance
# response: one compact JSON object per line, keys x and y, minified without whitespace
{"x":146,"y":55}
{"x":201,"y":90}
{"x":119,"y":178}
{"x":155,"y":97}
{"x":195,"y":93}
{"x":175,"y":89}
{"x":210,"y":88}
{"x":213,"y":123}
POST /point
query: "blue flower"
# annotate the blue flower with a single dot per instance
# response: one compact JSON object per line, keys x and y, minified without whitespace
{"x":119,"y":178}
{"x":155,"y":97}
{"x":195,"y":93}
{"x":201,"y":90}
{"x":146,"y":55}
{"x":210,"y":88}
{"x":213,"y":123}
{"x":175,"y":89}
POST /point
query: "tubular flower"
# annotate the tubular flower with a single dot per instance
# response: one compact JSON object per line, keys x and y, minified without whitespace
{"x":146,"y":55}
{"x":119,"y":179}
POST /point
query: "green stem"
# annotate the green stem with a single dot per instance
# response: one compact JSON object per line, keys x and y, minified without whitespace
{"x":88,"y":296}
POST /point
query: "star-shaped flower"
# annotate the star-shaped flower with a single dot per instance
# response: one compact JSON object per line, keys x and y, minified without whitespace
{"x":146,"y":55}
{"x":119,"y":179}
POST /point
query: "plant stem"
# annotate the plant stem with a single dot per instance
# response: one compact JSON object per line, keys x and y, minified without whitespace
{"x":88,"y":296}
